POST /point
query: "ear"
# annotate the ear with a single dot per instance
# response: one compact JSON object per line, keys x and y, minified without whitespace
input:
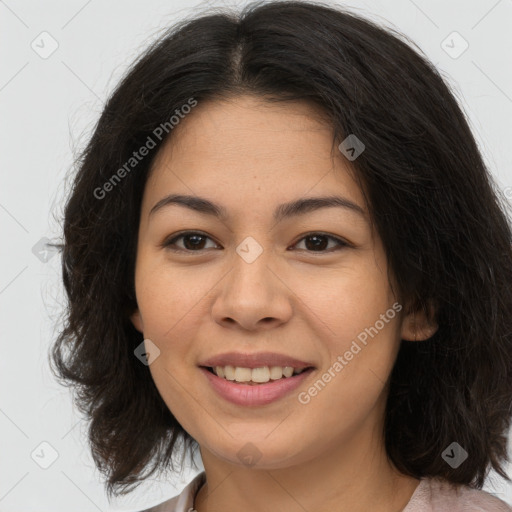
{"x":418,"y":324}
{"x":136,"y":319}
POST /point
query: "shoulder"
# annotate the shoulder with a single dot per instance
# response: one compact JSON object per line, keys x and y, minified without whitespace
{"x":437,"y":495}
{"x":184,"y":501}
{"x":431,"y":495}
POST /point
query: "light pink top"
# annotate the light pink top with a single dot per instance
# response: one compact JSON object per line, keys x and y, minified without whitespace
{"x":431,"y":495}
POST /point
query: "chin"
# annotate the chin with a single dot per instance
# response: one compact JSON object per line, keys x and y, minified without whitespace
{"x":259,"y":454}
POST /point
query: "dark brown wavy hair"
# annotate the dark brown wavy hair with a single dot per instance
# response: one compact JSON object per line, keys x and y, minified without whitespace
{"x":443,"y":222}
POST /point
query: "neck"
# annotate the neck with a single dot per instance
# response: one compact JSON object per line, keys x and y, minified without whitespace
{"x":353,"y":476}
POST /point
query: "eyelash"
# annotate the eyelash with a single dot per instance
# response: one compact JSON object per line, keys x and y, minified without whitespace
{"x":171,"y":241}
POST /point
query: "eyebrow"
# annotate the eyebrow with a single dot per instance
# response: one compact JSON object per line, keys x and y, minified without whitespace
{"x":283,"y":211}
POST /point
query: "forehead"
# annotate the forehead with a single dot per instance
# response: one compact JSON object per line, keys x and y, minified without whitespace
{"x":249,"y":151}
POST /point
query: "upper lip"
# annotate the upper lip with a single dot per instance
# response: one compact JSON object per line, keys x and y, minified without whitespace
{"x":254,"y":360}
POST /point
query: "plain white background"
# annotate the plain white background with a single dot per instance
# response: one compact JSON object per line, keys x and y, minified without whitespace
{"x":48,"y":108}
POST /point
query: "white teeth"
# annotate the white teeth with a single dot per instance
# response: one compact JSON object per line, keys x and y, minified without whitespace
{"x":276,"y":372}
{"x":288,"y":371}
{"x":243,"y":374}
{"x":258,"y":375}
{"x":229,"y":372}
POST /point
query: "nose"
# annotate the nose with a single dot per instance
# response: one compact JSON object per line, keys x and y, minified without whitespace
{"x":252,"y":296}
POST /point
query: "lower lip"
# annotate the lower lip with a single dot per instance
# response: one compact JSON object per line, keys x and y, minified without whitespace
{"x":258,"y":394}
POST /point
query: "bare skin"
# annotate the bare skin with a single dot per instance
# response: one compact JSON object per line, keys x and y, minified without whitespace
{"x":327,"y":454}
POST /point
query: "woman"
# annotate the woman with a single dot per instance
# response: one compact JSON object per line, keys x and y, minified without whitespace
{"x":283,"y":247}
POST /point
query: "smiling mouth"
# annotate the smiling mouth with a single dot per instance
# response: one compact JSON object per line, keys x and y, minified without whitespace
{"x":256,"y":376}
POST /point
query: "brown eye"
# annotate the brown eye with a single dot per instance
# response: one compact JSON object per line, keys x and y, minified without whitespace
{"x":318,"y":242}
{"x":192,"y":242}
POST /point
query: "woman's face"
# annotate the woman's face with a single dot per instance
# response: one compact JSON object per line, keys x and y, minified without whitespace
{"x":264,"y":278}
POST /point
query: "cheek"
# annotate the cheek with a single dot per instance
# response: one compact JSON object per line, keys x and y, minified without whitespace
{"x":169,"y":301}
{"x":351,"y":387}
{"x":171,"y":309}
{"x":357,"y":322}
{"x":344,"y":302}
